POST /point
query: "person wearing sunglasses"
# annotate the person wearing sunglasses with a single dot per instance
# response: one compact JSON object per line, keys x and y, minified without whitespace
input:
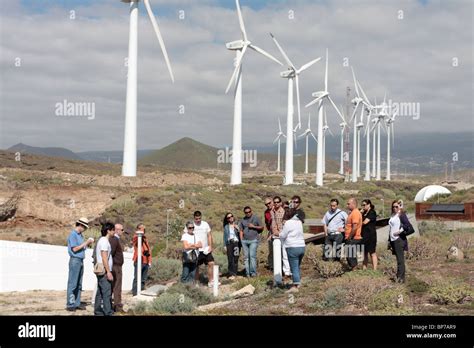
{"x":334,"y":222}
{"x":190,"y":245}
{"x":250,"y":226}
{"x":397,"y":244}
{"x":232,"y":244}
{"x":296,"y":205}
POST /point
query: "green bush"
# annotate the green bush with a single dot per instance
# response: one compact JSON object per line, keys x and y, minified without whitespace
{"x":140,"y":308}
{"x":389,"y":300}
{"x":165,"y":269}
{"x":196,"y":294}
{"x":172,"y":303}
{"x":334,"y":298}
{"x":448,"y":292}
{"x":416,"y":285}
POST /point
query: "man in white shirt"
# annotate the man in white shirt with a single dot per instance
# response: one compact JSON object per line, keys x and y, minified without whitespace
{"x":334,"y":222}
{"x":103,"y":255}
{"x":203,"y":233}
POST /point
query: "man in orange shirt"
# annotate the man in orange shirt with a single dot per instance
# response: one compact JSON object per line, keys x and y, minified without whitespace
{"x":353,"y":232}
{"x":146,"y":259}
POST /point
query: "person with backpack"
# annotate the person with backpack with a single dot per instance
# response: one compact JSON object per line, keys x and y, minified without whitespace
{"x":190,"y":253}
{"x":232,"y":244}
{"x":103,"y":270}
{"x":334,"y":223}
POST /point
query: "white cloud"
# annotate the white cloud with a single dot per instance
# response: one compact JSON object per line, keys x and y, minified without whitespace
{"x":83,"y":60}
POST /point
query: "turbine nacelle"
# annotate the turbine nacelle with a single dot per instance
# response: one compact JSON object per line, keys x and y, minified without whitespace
{"x":236,"y":45}
{"x":287,"y":74}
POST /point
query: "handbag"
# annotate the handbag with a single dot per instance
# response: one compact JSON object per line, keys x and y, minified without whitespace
{"x":99,"y":268}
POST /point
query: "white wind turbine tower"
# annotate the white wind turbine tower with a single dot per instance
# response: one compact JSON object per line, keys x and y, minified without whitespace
{"x":320,"y":97}
{"x":306,"y":134}
{"x":380,"y":121}
{"x":129,"y":165}
{"x":292,"y":74}
{"x":374,"y":150}
{"x":278,"y":138}
{"x":343,"y":126}
{"x":390,"y":134}
{"x":325,"y":129}
{"x":240,"y":47}
{"x":359,"y":126}
{"x":368,"y":108}
{"x":356,"y":126}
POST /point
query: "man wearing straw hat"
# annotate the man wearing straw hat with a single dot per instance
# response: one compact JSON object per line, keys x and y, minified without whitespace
{"x":76,"y":247}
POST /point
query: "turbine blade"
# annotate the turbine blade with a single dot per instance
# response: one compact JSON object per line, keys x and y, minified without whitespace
{"x":335,"y":107}
{"x":314,"y":137}
{"x":298,"y":100}
{"x":266,"y":54}
{"x":302,"y":135}
{"x":330,"y":132}
{"x":363,"y":94}
{"x":276,"y":139}
{"x":355,"y":82}
{"x":353,"y":113}
{"x":283,"y":53}
{"x":307,"y":65}
{"x":279,"y":124}
{"x":326,"y":75}
{"x":236,"y":70}
{"x":160,"y":38}
{"x":314,"y":101}
{"x":241,"y":20}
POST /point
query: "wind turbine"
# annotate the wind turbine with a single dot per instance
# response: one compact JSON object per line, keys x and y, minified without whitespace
{"x":320,"y":97}
{"x":129,"y":165}
{"x":240,"y":47}
{"x":306,"y":134}
{"x":292,"y":74}
{"x":325,"y":129}
{"x":343,"y":126}
{"x":278,"y":138}
{"x":380,"y":118}
{"x":358,"y":100}
{"x":390,"y":134}
{"x":368,"y":108}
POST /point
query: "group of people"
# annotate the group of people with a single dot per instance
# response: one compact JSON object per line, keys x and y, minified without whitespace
{"x":352,"y":232}
{"x":357,"y":230}
{"x":108,"y":261}
{"x":283,"y":221}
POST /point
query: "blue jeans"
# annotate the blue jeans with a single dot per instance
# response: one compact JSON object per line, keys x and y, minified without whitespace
{"x":295,"y":256}
{"x":189,"y":272}
{"x":144,"y":277}
{"x":103,"y":296}
{"x":250,"y":256}
{"x":74,"y":282}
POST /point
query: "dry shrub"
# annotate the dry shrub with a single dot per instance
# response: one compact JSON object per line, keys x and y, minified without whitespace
{"x":463,"y":241}
{"x":421,"y":249}
{"x":451,"y":292}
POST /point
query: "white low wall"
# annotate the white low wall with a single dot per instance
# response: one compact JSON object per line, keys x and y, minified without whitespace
{"x":29,"y":266}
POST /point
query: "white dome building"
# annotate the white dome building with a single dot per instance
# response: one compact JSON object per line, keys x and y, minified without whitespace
{"x":429,"y":191}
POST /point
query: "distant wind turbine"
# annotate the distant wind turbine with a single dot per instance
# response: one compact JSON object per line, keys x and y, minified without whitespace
{"x":306,"y":134}
{"x":278,"y":138}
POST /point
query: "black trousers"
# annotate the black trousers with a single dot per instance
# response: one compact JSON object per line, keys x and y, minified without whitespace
{"x":352,"y":246}
{"x":397,"y":247}
{"x":233,"y":252}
